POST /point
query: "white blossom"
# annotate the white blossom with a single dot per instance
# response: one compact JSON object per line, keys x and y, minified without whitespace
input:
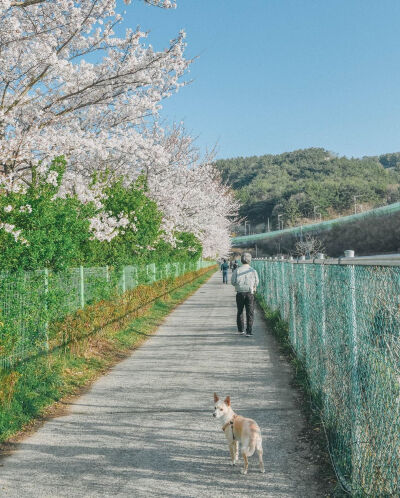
{"x":9,"y":228}
{"x":26,"y":209}
{"x":52,"y":178}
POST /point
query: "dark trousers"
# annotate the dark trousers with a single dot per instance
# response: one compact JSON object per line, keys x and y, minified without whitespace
{"x":245,"y":300}
{"x":224,"y":277}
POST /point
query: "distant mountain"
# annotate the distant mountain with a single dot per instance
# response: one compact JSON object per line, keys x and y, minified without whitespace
{"x":309,"y":183}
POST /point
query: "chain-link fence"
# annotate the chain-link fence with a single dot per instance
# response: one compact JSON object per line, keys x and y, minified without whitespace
{"x":344,"y":324}
{"x":29,"y":301}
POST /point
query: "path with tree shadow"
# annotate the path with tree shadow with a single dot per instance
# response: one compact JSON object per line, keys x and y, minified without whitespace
{"x":146,"y":428}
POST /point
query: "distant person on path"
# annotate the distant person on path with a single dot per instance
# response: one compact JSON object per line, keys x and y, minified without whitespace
{"x":245,"y":279}
{"x":224,"y":269}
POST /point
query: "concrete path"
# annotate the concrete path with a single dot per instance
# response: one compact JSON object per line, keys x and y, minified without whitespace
{"x":146,"y":429}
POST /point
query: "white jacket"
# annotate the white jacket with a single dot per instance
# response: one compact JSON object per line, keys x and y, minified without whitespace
{"x":245,"y":279}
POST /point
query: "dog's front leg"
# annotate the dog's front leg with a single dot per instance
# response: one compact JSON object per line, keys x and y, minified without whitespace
{"x":236,"y":449}
{"x":232,"y":449}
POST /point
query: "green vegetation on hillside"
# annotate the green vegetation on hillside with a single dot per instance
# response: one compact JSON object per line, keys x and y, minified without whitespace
{"x":303,"y":183}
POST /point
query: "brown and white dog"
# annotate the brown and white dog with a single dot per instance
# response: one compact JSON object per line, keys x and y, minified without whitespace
{"x":237,"y":430}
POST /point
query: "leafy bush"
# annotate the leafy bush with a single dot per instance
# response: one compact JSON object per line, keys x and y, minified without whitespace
{"x":55,"y":230}
{"x":43,"y":229}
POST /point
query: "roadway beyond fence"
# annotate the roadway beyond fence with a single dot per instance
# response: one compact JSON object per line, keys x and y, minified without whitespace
{"x":146,"y":429}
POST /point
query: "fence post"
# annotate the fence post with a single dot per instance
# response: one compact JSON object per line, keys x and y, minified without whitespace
{"x":292,"y":308}
{"x":271,"y":285}
{"x":123,"y":280}
{"x":281,"y":272}
{"x":82,"y":286}
{"x":322,"y":336}
{"x":46,"y":291}
{"x":322,"y":301}
{"x":305,"y":315}
{"x":283,"y":291}
{"x":354,"y":369}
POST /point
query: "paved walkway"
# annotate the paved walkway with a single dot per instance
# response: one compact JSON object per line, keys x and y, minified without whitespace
{"x":146,"y":429}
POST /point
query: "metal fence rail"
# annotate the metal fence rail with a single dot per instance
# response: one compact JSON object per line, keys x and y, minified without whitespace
{"x":344,"y":324}
{"x":316,"y":227}
{"x":29,"y":301}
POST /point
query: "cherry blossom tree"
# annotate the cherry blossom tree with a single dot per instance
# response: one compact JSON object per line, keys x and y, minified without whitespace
{"x":189,"y":191}
{"x":53,"y":100}
{"x":70,"y":86}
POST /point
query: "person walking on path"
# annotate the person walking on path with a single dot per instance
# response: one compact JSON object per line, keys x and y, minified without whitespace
{"x":224,"y":269}
{"x":245,"y":279}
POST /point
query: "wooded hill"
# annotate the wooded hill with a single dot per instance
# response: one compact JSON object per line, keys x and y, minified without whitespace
{"x":303,"y":183}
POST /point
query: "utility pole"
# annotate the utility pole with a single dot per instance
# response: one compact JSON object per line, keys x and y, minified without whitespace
{"x":268,"y":224}
{"x":355,"y":197}
{"x":279,"y":221}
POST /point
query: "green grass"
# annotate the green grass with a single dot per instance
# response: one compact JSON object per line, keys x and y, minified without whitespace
{"x":32,"y":389}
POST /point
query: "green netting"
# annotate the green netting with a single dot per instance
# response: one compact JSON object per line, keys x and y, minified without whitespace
{"x":344,"y":324}
{"x":316,"y":227}
{"x":29,"y":301}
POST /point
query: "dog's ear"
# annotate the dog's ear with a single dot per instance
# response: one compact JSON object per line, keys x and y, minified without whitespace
{"x":215,"y":397}
{"x":227,"y":401}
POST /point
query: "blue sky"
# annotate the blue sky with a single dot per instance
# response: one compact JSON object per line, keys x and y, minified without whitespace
{"x":278,"y":75}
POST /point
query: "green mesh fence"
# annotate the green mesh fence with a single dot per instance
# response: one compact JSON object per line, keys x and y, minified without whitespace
{"x":316,"y":227}
{"x":29,"y":301}
{"x":344,"y":324}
